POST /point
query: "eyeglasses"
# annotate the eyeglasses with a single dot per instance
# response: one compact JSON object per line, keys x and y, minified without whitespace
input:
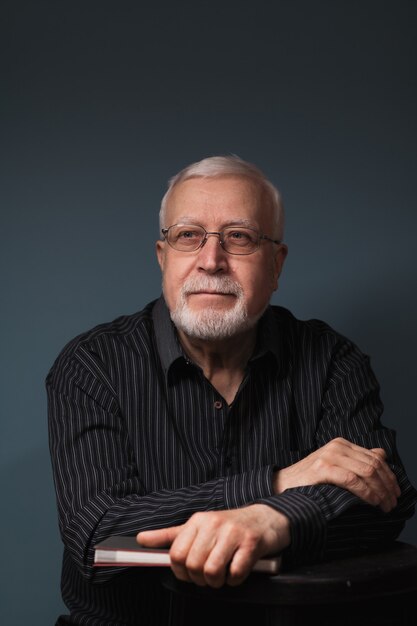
{"x":233,"y":239}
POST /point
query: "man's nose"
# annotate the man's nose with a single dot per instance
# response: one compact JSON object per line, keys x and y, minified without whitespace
{"x":212,"y":257}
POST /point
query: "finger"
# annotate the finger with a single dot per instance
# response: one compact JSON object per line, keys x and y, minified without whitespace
{"x":198,"y":553}
{"x":241,"y":566}
{"x":371,"y":467}
{"x":350,"y":480}
{"x":382,"y":454}
{"x":162,"y":537}
{"x":381,"y":479}
{"x":389,"y":481}
{"x":352,"y":449}
{"x":216,"y":567}
{"x":239,"y":546}
{"x":180,"y":549}
{"x":367,"y":490}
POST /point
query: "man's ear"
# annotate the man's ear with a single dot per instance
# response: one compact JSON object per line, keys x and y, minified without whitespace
{"x":160,"y":253}
{"x":279,"y":259}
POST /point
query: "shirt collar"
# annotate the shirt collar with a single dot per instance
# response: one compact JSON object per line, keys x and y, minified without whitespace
{"x":169,"y":347}
{"x":269,"y":340}
{"x":269,"y":337}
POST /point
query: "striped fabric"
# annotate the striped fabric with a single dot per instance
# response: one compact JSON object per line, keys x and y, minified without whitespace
{"x":140,"y":439}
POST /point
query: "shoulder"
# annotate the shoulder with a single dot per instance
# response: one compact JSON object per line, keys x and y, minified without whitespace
{"x":313,"y":337}
{"x":311,"y":328}
{"x":126,"y":333}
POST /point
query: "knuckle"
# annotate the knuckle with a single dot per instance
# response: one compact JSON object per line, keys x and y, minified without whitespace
{"x":337,"y":442}
{"x":177,"y":556}
{"x":321,"y":464}
{"x":211,"y":570}
{"x":369,"y":471}
{"x":205,"y":519}
{"x":352,"y":481}
{"x":373,"y":467}
{"x":379,"y":452}
{"x":193,"y":566}
{"x":230,"y":527}
{"x":212,"y":518}
{"x":377,"y":463}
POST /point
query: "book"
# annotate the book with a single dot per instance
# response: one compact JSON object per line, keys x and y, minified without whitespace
{"x":119,"y":550}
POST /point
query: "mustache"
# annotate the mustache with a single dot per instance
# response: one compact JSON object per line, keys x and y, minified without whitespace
{"x":218,"y":284}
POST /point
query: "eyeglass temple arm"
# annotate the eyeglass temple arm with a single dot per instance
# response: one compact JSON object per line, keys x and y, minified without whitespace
{"x":277,"y":241}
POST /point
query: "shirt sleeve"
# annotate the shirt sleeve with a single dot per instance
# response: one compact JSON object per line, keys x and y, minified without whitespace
{"x":98,"y":487}
{"x":328,"y":520}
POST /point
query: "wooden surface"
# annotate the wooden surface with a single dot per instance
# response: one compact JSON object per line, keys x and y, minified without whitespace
{"x":375,"y":588}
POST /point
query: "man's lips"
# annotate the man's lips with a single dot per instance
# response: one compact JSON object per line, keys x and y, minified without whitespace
{"x":206,"y":292}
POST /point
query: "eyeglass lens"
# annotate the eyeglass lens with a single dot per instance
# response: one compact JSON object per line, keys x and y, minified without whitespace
{"x":236,"y":240}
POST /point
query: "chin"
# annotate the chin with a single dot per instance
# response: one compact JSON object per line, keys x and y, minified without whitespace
{"x":212,"y":324}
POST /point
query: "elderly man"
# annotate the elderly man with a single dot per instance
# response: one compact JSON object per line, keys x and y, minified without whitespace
{"x":213,"y":422}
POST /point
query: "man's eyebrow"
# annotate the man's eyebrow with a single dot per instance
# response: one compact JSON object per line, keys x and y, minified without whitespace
{"x":185,"y":219}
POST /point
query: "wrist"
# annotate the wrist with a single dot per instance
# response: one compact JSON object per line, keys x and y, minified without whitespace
{"x":277,"y":525}
{"x":278,"y":482}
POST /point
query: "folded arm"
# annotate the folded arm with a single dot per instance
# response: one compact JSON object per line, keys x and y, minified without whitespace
{"x":364,"y":473}
{"x":217,"y":548}
{"x":352,"y":492}
{"x":99,"y":488}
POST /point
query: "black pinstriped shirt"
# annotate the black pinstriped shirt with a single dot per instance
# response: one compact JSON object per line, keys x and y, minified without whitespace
{"x":140,"y":439}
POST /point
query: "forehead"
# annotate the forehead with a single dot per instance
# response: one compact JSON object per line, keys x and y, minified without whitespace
{"x":221,"y":199}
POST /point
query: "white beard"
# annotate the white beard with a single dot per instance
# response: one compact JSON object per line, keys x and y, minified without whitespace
{"x":211,"y":324}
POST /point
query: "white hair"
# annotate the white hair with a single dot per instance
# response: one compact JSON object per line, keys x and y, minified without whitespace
{"x":210,"y":324}
{"x":216,"y":166}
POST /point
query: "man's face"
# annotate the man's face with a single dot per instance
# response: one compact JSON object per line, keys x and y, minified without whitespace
{"x":205,"y":282}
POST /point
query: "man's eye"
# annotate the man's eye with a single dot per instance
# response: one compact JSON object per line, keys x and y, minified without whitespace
{"x":187,"y":234}
{"x":239,"y":236}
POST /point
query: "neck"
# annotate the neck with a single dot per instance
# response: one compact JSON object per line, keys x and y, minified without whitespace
{"x":223,"y":362}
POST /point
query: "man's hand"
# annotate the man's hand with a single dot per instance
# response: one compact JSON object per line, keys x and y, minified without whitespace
{"x":363,"y":472}
{"x":218,"y":547}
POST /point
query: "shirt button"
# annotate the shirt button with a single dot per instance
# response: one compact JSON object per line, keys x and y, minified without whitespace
{"x":218,"y":404}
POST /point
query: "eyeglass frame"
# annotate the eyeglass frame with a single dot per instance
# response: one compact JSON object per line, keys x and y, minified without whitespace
{"x":260,"y":235}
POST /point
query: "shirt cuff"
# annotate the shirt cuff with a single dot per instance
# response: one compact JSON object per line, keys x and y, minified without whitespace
{"x":307,"y":525}
{"x":247,"y":488}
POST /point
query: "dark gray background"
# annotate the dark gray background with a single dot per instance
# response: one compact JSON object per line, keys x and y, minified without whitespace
{"x":101,"y":103}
